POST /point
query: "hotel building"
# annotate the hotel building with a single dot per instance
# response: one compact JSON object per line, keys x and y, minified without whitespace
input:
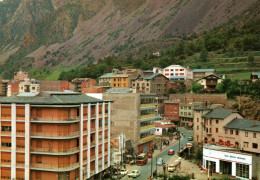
{"x":54,"y":135}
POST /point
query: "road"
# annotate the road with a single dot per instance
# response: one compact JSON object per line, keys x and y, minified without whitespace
{"x":146,"y":169}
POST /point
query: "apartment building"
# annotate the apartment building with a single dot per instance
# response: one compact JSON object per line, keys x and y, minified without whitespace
{"x":82,"y":84}
{"x":133,"y":114}
{"x":121,"y":81}
{"x":105,"y":79}
{"x":3,"y":87}
{"x":200,"y":73}
{"x":54,"y":135}
{"x":210,"y":82}
{"x":177,"y":72}
{"x":28,"y":85}
{"x":171,"y":110}
{"x":186,"y":112}
{"x":155,"y":83}
{"x":20,"y":76}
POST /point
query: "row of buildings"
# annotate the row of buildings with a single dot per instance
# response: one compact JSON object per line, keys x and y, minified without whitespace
{"x":230,"y":143}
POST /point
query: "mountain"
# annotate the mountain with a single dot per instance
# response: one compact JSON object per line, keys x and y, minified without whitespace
{"x":45,"y":33}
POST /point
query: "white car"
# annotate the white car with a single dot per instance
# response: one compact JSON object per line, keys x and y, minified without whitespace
{"x":124,"y":172}
{"x":135,"y":173}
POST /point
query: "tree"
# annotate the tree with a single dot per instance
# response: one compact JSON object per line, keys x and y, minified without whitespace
{"x":251,"y":60}
{"x":196,"y":87}
{"x":204,"y":55}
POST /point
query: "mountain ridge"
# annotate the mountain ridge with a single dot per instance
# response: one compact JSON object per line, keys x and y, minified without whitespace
{"x":79,"y":32}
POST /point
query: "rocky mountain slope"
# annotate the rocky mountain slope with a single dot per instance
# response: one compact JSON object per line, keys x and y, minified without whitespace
{"x":42,"y":33}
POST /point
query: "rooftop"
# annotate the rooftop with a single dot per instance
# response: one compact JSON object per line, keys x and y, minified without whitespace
{"x":245,"y":125}
{"x":203,"y":70}
{"x":256,"y":74}
{"x":107,"y":75}
{"x":118,"y":90}
{"x":218,"y":113}
{"x":51,"y":98}
{"x":149,"y":77}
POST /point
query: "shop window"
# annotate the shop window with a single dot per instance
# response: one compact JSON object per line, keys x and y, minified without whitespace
{"x":242,"y":170}
{"x":255,"y":145}
{"x":246,"y":134}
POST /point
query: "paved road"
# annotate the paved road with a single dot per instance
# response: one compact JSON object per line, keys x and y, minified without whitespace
{"x":146,"y":169}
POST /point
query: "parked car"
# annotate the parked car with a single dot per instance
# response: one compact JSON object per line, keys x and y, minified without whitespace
{"x":124,"y":172}
{"x":117,"y":175}
{"x":149,"y":154}
{"x":171,"y":152}
{"x":135,"y":173}
{"x":190,"y":138}
{"x":171,"y":168}
{"x":160,"y":162}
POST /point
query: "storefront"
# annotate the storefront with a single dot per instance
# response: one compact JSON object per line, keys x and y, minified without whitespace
{"x":221,"y":160}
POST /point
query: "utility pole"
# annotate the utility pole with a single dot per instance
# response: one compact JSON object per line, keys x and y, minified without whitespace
{"x":156,"y":167}
{"x":152,"y":166}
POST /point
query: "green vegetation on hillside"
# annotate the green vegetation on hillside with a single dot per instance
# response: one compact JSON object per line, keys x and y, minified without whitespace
{"x":224,"y":48}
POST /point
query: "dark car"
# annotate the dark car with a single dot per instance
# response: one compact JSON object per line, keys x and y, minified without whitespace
{"x":190,"y":138}
{"x":171,"y":152}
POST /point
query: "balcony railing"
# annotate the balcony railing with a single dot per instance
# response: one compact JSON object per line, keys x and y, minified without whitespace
{"x":148,"y":116}
{"x":148,"y":138}
{"x":54,"y":118}
{"x":55,"y":134}
{"x":54,"y":150}
{"x":147,"y":127}
{"x":148,"y":105}
{"x":54,"y":167}
{"x":6,"y":116}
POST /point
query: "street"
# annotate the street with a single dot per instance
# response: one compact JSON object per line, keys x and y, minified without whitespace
{"x":146,"y":169}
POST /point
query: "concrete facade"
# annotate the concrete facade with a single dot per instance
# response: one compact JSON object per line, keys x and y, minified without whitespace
{"x":177,"y":72}
{"x":133,"y":114}
{"x":49,"y":138}
{"x":186,"y":112}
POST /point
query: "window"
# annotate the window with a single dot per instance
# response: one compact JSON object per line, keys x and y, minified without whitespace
{"x":246,"y":134}
{"x":246,"y":144}
{"x":237,"y":132}
{"x":197,"y":127}
{"x":242,"y":170}
{"x":231,"y":131}
{"x":6,"y":128}
{"x":6,"y":144}
{"x":216,"y":121}
{"x":254,"y":145}
{"x":226,"y":131}
{"x":216,"y":130}
{"x":197,"y":119}
{"x":254,"y":135}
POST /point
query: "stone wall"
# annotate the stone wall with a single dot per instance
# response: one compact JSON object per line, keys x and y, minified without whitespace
{"x":210,"y":98}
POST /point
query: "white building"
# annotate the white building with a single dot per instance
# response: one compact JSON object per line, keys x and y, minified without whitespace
{"x":178,"y":72}
{"x":28,"y":85}
{"x":163,"y":125}
{"x":230,"y":161}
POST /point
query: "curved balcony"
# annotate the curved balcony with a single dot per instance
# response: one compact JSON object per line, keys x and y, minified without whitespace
{"x":54,"y":151}
{"x":54,"y":167}
{"x":55,"y":135}
{"x":54,"y":119}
